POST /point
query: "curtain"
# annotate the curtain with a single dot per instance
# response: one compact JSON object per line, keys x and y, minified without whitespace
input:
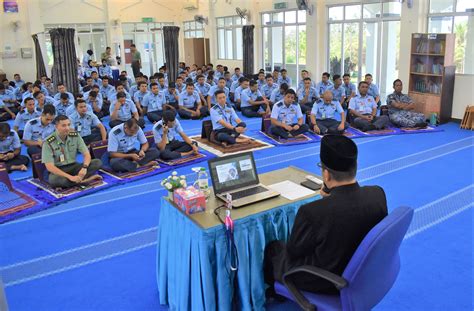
{"x":40,"y":67}
{"x":171,"y":34}
{"x":248,"y":50}
{"x":65,"y":62}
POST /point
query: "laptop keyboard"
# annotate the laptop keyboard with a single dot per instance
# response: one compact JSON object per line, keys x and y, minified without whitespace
{"x":248,"y":192}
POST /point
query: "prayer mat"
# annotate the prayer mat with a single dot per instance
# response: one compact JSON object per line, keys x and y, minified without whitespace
{"x":190,"y":159}
{"x":306,"y":138}
{"x":355,"y":133}
{"x":219,"y":150}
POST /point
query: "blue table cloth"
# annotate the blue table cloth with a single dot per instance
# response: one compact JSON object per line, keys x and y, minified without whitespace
{"x":193,"y":270}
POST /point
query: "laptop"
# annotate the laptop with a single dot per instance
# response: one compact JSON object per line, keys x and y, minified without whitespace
{"x":237,"y":175}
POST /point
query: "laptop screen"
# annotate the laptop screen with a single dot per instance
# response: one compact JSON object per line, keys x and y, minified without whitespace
{"x":233,"y":172}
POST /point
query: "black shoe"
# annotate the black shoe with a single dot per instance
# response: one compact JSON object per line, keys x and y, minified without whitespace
{"x":421,"y":125}
{"x":271,"y":296}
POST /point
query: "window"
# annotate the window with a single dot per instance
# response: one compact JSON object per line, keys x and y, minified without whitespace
{"x":284,"y":42}
{"x":148,"y":38}
{"x":87,"y":36}
{"x":365,"y":38}
{"x":455,"y":16}
{"x":193,"y":29}
{"x":229,"y":37}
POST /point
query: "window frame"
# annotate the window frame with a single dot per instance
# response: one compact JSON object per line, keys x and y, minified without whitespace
{"x":453,"y":16}
{"x":282,"y":24}
{"x":192,"y":29}
{"x":379,"y":20}
{"x":234,"y":27}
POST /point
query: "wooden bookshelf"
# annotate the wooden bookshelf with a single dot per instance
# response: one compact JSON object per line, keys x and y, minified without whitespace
{"x":432,"y":71}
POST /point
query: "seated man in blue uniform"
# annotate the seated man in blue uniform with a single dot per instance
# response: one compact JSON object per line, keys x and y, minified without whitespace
{"x":165,"y":133}
{"x":307,"y":95}
{"x":190,"y":105}
{"x":37,"y":129}
{"x":27,"y":114}
{"x":323,"y":119}
{"x":10,"y":148}
{"x":253,"y":104}
{"x":226,"y":125}
{"x":87,"y":124}
{"x":63,"y":104}
{"x":122,"y":148}
{"x":122,"y":110}
{"x":287,"y":118}
{"x":327,"y":232}
{"x":400,"y":109}
{"x":153,"y":103}
{"x":363,"y":109}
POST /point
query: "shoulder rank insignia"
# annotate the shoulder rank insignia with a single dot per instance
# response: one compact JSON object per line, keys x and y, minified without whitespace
{"x":22,"y":112}
{"x":158,"y":127}
{"x":34,"y":121}
{"x":117,"y":131}
{"x":51,"y":138}
{"x":12,"y":133}
{"x":280,"y":104}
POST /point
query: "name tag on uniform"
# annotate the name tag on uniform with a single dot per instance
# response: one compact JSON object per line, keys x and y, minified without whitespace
{"x":79,"y":127}
{"x":61,"y":158}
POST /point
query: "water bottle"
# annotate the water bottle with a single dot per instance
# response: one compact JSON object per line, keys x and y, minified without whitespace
{"x":202,"y":182}
{"x":434,"y":119}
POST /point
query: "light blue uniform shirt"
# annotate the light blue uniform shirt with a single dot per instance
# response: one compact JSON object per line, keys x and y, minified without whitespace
{"x":61,"y":108}
{"x":349,"y":89}
{"x":338,"y":93}
{"x":170,"y":99}
{"x":363,"y":105}
{"x":123,"y":143}
{"x":113,"y":96}
{"x":323,"y":110}
{"x":322,"y":87}
{"x":236,"y":77}
{"x":261,"y":83}
{"x":188,"y":101}
{"x":83,"y":125}
{"x":313,"y":94}
{"x":276,"y":96}
{"x":247,"y":95}
{"x":286,"y":80}
{"x":7,"y":95}
{"x":106,"y":92}
{"x":173,"y":132}
{"x":226,"y":113}
{"x":154,"y":102}
{"x":105,"y":71}
{"x":202,"y":89}
{"x":213,"y":90}
{"x":125,"y":112}
{"x":286,"y":114}
{"x":238,"y":93}
{"x":34,"y":130}
{"x":98,"y":99}
{"x":10,"y":143}
{"x":373,"y":90}
{"x":24,"y":116}
{"x":234,"y":86}
{"x":267,"y":90}
{"x":138,"y":97}
{"x":48,"y":100}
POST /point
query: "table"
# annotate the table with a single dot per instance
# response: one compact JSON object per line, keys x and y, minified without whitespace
{"x":192,"y":263}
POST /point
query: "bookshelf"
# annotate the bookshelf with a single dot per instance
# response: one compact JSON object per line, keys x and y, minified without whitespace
{"x":432,"y":70}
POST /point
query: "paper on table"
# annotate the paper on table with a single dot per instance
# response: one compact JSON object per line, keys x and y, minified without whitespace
{"x":291,"y":190}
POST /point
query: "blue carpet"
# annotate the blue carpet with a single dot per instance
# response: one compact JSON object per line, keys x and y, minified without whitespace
{"x":98,"y":252}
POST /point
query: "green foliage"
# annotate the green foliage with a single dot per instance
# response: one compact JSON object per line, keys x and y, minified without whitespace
{"x":460,"y":30}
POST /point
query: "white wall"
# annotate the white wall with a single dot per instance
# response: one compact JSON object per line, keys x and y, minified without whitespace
{"x":463,"y":95}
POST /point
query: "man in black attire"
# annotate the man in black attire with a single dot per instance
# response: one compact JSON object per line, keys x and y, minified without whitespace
{"x":327,"y":232}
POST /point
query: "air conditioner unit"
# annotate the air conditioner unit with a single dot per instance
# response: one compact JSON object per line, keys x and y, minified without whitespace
{"x":191,"y":5}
